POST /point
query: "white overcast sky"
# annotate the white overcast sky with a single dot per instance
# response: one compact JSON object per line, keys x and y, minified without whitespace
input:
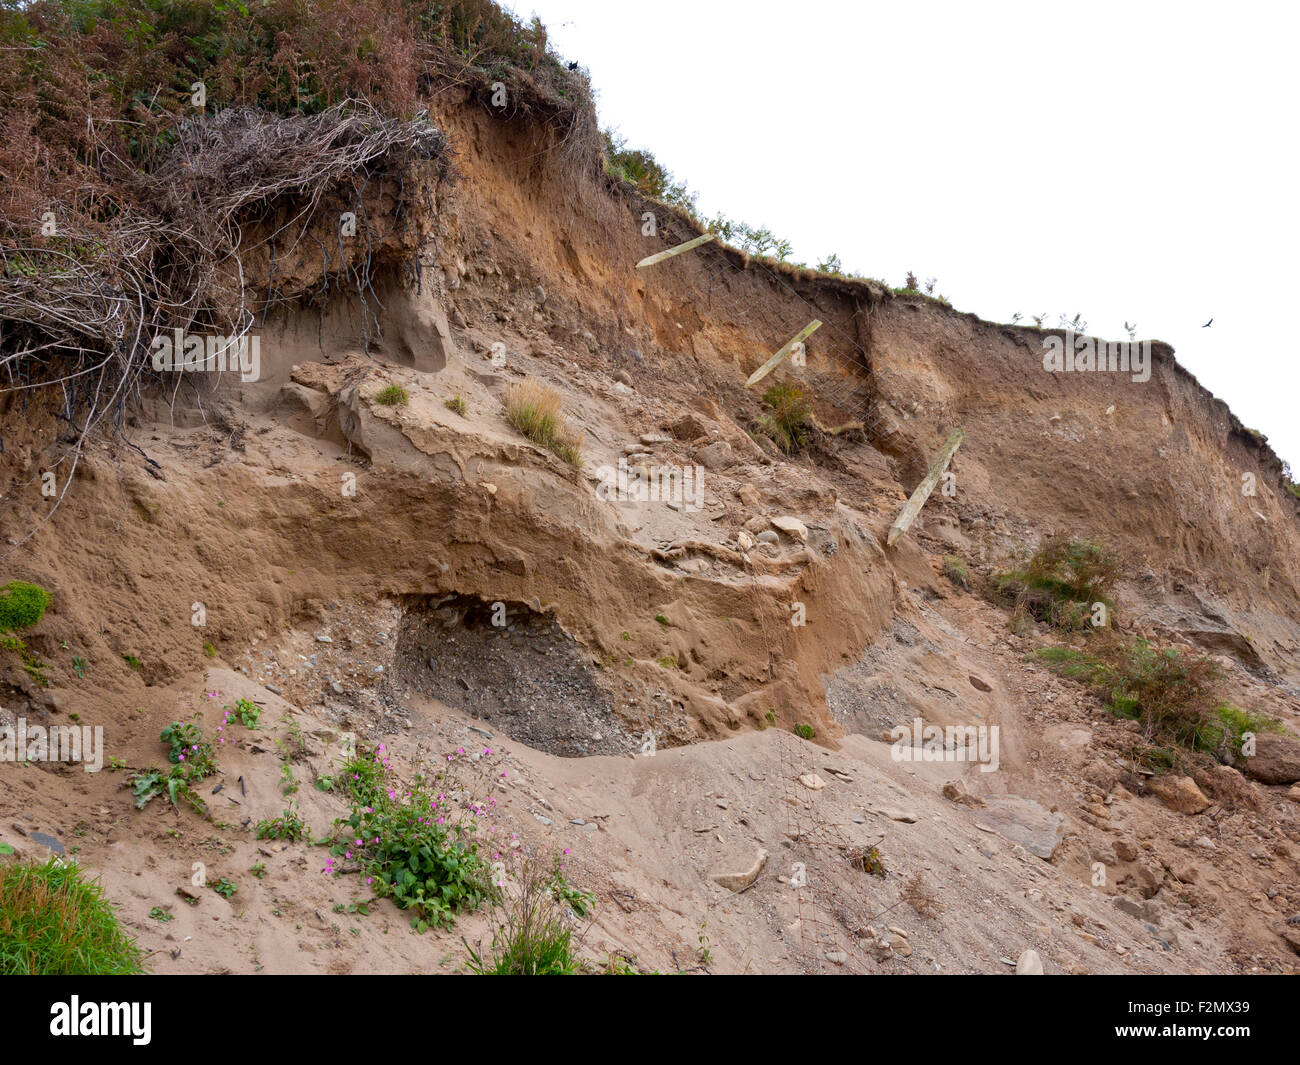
{"x":1128,"y":161}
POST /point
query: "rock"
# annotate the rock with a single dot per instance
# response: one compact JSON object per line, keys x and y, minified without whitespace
{"x":688,"y":427}
{"x":905,"y":816}
{"x":749,"y":496}
{"x":46,"y":840}
{"x":1126,"y":850}
{"x":1180,"y":794}
{"x":980,"y":685}
{"x":813,"y":781}
{"x":899,"y":945}
{"x":272,"y":689}
{"x":1227,"y":787}
{"x":956,"y":791}
{"x":767,"y":536}
{"x":322,"y":638}
{"x":1029,"y":964}
{"x":1276,"y":759}
{"x":1024,"y":821}
{"x":655,"y":438}
{"x":1294,"y":793}
{"x":837,"y":956}
{"x":623,"y":377}
{"x":337,"y":688}
{"x":740,"y":881}
{"x":792,"y":527}
{"x":744,"y":540}
{"x":715,"y":456}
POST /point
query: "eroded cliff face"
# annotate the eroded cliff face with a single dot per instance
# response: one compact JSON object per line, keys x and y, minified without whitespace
{"x":300,"y":504}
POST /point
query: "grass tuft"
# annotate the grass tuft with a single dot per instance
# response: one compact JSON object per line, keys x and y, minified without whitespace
{"x":54,"y":922}
{"x":534,"y":409}
{"x":393,"y":396}
{"x":788,"y":421}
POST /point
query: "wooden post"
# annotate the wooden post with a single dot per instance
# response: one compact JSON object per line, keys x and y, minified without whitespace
{"x":659,"y":257}
{"x":913,"y":506}
{"x":775,"y":360}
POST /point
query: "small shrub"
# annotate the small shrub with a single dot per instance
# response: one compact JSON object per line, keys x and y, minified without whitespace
{"x":457,"y":405}
{"x":788,"y":422}
{"x":534,"y":409}
{"x":1062,"y":582}
{"x":804,"y":731}
{"x":955,"y":570}
{"x":392,"y":396}
{"x":408,"y":848}
{"x":188,"y":748}
{"x":288,"y":826}
{"x":363,"y":777}
{"x":1175,"y":696}
{"x":22,"y":605}
{"x":225,"y":888}
{"x":133,"y":662}
{"x":54,"y":922}
{"x":249,"y":713}
{"x":916,"y":893}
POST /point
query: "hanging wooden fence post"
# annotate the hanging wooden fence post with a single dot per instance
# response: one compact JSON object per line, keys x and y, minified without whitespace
{"x":913,"y":506}
{"x":788,"y":347}
{"x":659,"y":257}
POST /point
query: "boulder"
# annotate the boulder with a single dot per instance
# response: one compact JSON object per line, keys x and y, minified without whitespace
{"x":1276,"y":759}
{"x":1180,"y":794}
{"x":715,"y":456}
{"x":792,"y":527}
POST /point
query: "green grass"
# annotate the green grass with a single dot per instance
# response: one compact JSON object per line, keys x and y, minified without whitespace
{"x":457,"y":405}
{"x":533,"y":933}
{"x":53,"y":921}
{"x":804,"y":731}
{"x":393,"y":396}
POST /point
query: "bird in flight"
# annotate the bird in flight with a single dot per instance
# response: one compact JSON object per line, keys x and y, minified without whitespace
{"x":1208,"y":324}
